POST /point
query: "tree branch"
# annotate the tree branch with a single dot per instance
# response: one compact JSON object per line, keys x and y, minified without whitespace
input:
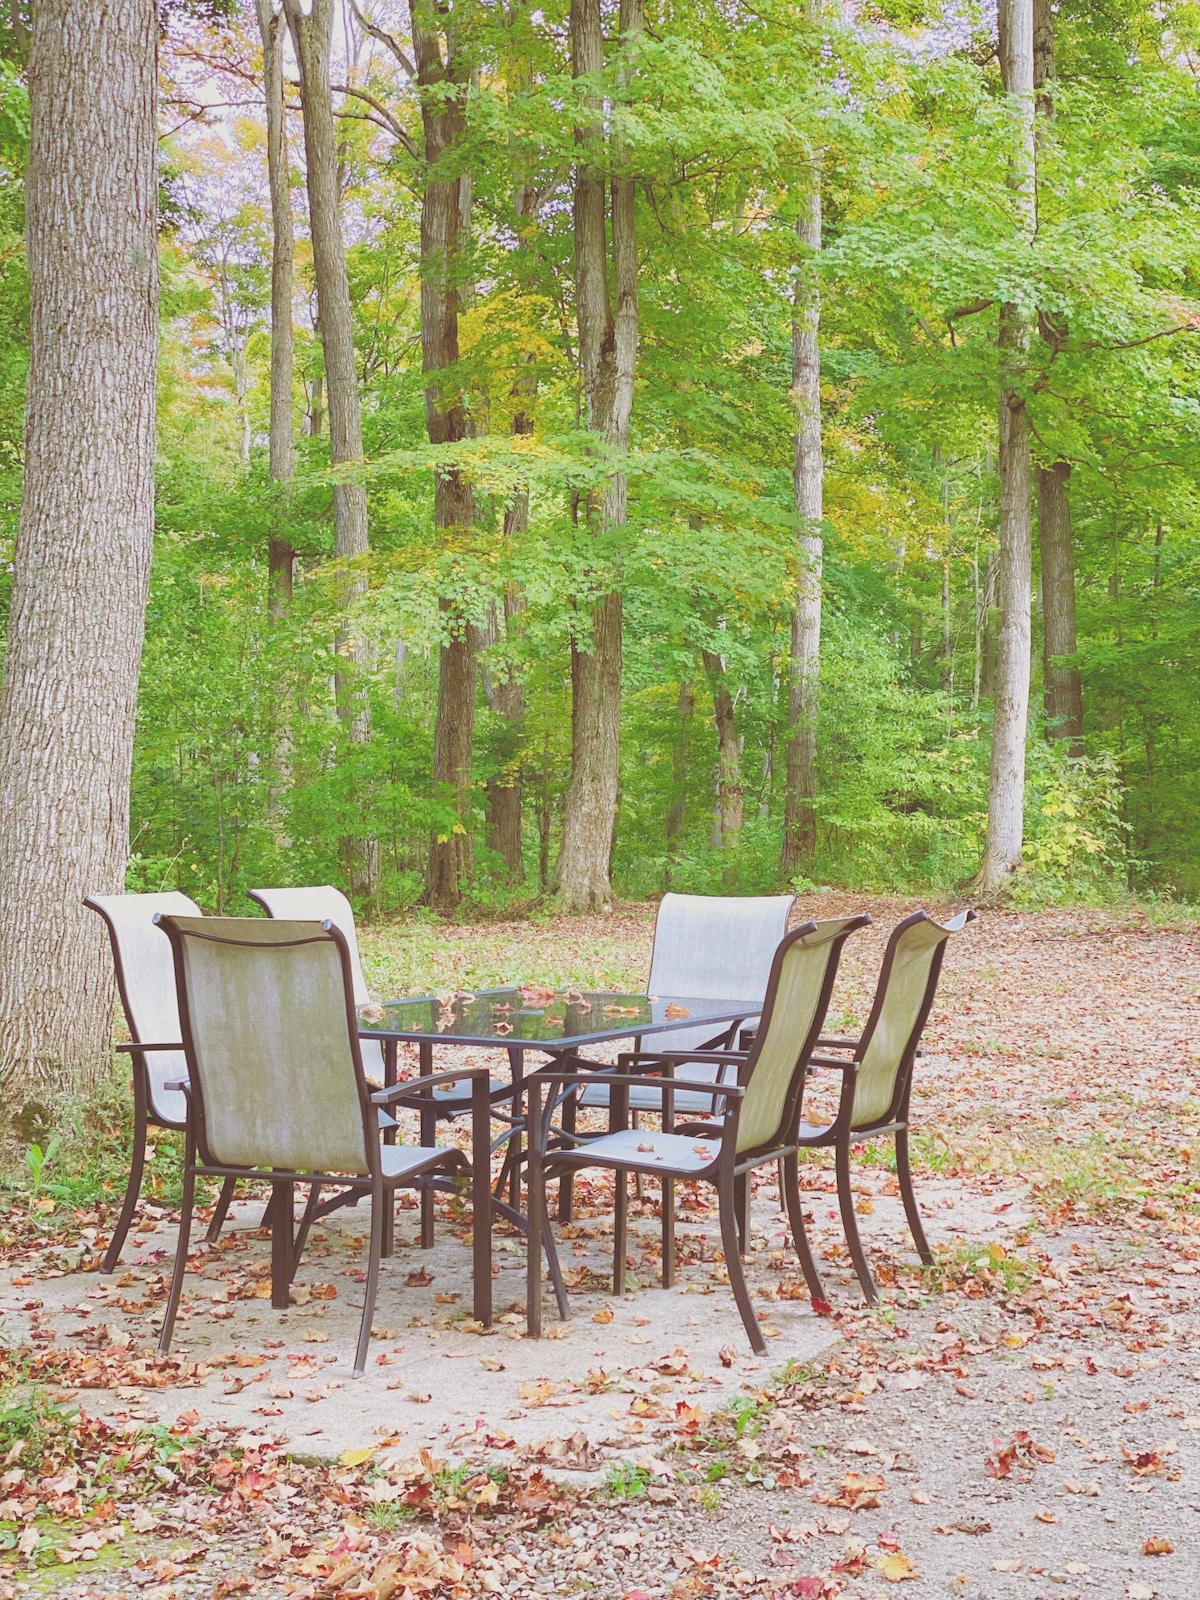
{"x":386,"y":39}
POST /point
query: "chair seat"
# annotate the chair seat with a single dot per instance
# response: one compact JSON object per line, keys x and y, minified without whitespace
{"x":635,"y":1149}
{"x":813,"y":1133}
{"x":401,"y":1162}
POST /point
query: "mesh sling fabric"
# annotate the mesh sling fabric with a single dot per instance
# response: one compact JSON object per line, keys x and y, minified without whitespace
{"x":322,"y":903}
{"x":148,"y":971}
{"x":793,"y":1012}
{"x":908,"y":983}
{"x":272,"y":1045}
{"x":714,"y":947}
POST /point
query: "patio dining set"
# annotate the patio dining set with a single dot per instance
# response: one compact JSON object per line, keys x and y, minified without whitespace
{"x":258,"y":1038}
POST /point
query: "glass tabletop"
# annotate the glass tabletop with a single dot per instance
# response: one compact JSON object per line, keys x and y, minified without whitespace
{"x":550,"y":1019}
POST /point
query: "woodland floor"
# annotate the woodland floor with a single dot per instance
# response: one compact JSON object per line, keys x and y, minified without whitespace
{"x":1021,"y":1420}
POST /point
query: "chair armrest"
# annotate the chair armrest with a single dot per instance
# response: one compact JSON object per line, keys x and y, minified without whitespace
{"x":838,"y":1044}
{"x":142,"y":1049}
{"x":182,"y":1084}
{"x":417,"y":1086}
{"x":731,"y":1091}
{"x":678,"y":1057}
{"x":825,"y":1061}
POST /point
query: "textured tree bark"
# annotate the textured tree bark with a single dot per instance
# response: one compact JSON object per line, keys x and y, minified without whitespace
{"x":1006,"y":792}
{"x":312,"y":37}
{"x":442,"y":80}
{"x":729,"y":752}
{"x":83,"y":550}
{"x":1063,"y":690}
{"x":607,"y":359}
{"x":808,"y":487}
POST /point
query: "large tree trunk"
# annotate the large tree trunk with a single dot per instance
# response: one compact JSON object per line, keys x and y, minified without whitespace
{"x":1062,"y":687}
{"x":312,"y":36}
{"x":443,"y":80}
{"x":808,"y":487}
{"x":1064,"y":694}
{"x":729,"y":752}
{"x":1006,"y":793}
{"x":83,"y":551}
{"x":607,"y":358}
{"x":677,"y":812}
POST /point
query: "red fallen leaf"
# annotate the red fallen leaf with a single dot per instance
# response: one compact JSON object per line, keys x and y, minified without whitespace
{"x":1020,"y":1450}
{"x":1145,"y":1462}
{"x":822,"y":1307}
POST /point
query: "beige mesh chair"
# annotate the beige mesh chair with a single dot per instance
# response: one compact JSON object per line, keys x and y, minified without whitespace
{"x":877,"y":1081}
{"x":761,"y":1115}
{"x":322,"y":902}
{"x":146,"y":983}
{"x":277,"y":1090}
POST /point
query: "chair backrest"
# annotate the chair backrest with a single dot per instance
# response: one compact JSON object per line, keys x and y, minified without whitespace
{"x":320,"y":903}
{"x":907,"y":983}
{"x":269,"y":1031}
{"x":146,"y":983}
{"x":714,"y":947}
{"x":797,"y":999}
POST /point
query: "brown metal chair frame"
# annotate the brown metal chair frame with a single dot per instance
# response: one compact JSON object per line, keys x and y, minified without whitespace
{"x":843,"y":1132}
{"x":198,"y":1161}
{"x":728,"y":1172}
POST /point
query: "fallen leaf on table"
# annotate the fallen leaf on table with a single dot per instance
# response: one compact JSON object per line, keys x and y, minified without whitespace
{"x":674,"y":1011}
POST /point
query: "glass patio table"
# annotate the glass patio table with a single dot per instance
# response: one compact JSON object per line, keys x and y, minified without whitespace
{"x":558,"y":1022}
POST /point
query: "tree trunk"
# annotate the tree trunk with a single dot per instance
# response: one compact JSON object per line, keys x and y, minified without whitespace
{"x":808,"y":488}
{"x":607,"y":358}
{"x":280,"y":554}
{"x":82,"y":556}
{"x":312,"y":38}
{"x":442,"y":81}
{"x":677,"y":814}
{"x":729,"y":752}
{"x":1062,"y":687}
{"x":506,"y":696}
{"x":1064,"y":696}
{"x":1006,"y":793}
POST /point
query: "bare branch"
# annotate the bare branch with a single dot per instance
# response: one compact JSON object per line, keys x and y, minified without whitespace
{"x":386,"y":39}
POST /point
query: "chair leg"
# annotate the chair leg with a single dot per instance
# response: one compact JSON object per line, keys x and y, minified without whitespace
{"x":790,"y":1171}
{"x":638,"y":1186}
{"x":620,"y":1219}
{"x":668,"y":1232}
{"x":380,"y":1200}
{"x":781,"y":1174}
{"x":221,"y":1211}
{"x":314,"y":1194}
{"x":741,"y":1191}
{"x":566,"y":1184}
{"x":555,"y":1269}
{"x":733,"y":1261}
{"x":850,"y":1222}
{"x":133,"y":1188}
{"x":911,"y":1211}
{"x":181,"y":1249}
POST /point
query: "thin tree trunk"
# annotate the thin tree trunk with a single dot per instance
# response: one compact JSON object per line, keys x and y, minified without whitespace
{"x":312,"y":37}
{"x":607,"y":357}
{"x":280,"y":554}
{"x":1006,"y":793}
{"x":677,"y":814}
{"x":82,"y":558}
{"x":808,"y":491}
{"x":729,"y":752}
{"x":443,"y":80}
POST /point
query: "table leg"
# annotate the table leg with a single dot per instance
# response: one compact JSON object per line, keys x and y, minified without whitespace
{"x":535,"y":1211}
{"x":566,"y":1183}
{"x":481,"y":1198}
{"x":281,"y":1242}
{"x":428,"y":1137}
{"x":516,"y":1060}
{"x":391,"y":1073}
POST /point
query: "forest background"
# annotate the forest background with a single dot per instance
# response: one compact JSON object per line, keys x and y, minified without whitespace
{"x":603,"y":498}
